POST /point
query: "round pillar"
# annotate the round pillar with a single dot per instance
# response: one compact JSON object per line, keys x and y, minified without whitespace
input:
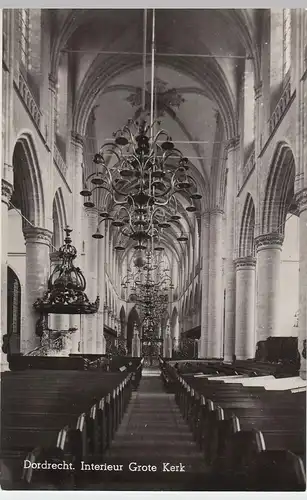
{"x":268,"y":248}
{"x":91,"y":280}
{"x":136,"y":343}
{"x":105,"y":314}
{"x":302,"y":320}
{"x":57,"y":321}
{"x":215,"y":296}
{"x":175,"y":335}
{"x":37,"y":272}
{"x":6,"y":193}
{"x":101,"y":292}
{"x":204,"y":234}
{"x":76,"y":157}
{"x":230,"y":270}
{"x":245,"y":343}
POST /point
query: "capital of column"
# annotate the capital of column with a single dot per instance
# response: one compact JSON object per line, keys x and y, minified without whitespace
{"x":54,"y":257}
{"x":301,"y":199}
{"x":216,"y":211}
{"x":248,"y":262}
{"x":91,"y":211}
{"x":6,"y":191}
{"x":37,"y":235}
{"x":205,"y":214}
{"x":269,"y":241}
{"x":233,"y":143}
{"x":258,"y":91}
{"x":77,"y":139}
{"x":52,"y":82}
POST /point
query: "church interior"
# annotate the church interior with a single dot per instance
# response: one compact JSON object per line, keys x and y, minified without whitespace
{"x":154,"y":249}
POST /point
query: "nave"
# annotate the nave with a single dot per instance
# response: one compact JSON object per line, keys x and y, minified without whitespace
{"x":189,"y":425}
{"x":154,"y":217}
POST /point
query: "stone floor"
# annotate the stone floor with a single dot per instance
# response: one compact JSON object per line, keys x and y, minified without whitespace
{"x":152,"y":436}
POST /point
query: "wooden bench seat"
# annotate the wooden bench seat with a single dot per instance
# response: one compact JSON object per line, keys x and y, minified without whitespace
{"x":37,"y":405}
{"x":235,"y":419}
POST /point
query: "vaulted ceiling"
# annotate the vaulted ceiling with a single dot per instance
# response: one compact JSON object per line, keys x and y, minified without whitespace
{"x":200,"y":55}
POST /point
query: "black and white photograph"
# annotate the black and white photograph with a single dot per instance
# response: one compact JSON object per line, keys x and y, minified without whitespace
{"x":154,"y":249}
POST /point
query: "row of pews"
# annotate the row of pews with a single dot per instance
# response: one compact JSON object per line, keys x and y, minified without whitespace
{"x":251,"y":428}
{"x":57,"y":416}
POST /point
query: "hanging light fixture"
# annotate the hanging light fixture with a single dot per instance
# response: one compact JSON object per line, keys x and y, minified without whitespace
{"x":149,"y":288}
{"x":142,"y":172}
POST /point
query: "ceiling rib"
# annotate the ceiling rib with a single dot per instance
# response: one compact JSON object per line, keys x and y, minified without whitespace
{"x":162,"y":54}
{"x":174,"y":140}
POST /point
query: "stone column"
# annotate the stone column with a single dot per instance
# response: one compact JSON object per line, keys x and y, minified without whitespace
{"x":268,"y":248}
{"x":136,"y":343}
{"x":167,"y":346}
{"x":91,"y":280}
{"x":82,"y":347}
{"x":101,"y":292}
{"x":57,"y":321}
{"x":176,"y":335}
{"x":105,"y":314}
{"x":111,"y":319}
{"x":76,"y":155}
{"x":124,"y":330}
{"x":245,"y":345}
{"x":77,"y":213}
{"x":116,"y":327}
{"x":6,"y":193}
{"x":302,"y":321}
{"x":10,"y":70}
{"x":50,"y":137}
{"x":205,"y":226}
{"x":37,"y":273}
{"x":215,"y":295}
{"x":122,"y":339}
{"x":230,"y":269}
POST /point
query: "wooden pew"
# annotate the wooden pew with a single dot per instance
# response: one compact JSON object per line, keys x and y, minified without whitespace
{"x":223,"y":414}
{"x":254,"y":406}
{"x":33,"y":415}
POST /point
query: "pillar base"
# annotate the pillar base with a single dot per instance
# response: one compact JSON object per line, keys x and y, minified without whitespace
{"x":4,"y":364}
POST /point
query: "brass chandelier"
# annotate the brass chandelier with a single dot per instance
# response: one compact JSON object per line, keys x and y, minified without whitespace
{"x":150,"y":286}
{"x":141,"y":173}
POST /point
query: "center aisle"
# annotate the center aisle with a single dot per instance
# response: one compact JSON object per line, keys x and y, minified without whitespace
{"x":153,"y":444}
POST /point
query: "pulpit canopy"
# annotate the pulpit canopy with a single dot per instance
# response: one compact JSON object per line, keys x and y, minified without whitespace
{"x":66,"y":286}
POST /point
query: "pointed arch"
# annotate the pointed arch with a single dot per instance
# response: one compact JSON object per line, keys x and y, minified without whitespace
{"x":133,"y":319}
{"x":246,"y":243}
{"x":279,"y":192}
{"x":174,"y":316}
{"x":28,"y":193}
{"x":59,"y":218}
{"x":122,"y":320}
{"x":122,"y":314}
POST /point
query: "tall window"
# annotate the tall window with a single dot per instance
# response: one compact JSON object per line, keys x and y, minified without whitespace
{"x":286,"y":41}
{"x":24,"y":29}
